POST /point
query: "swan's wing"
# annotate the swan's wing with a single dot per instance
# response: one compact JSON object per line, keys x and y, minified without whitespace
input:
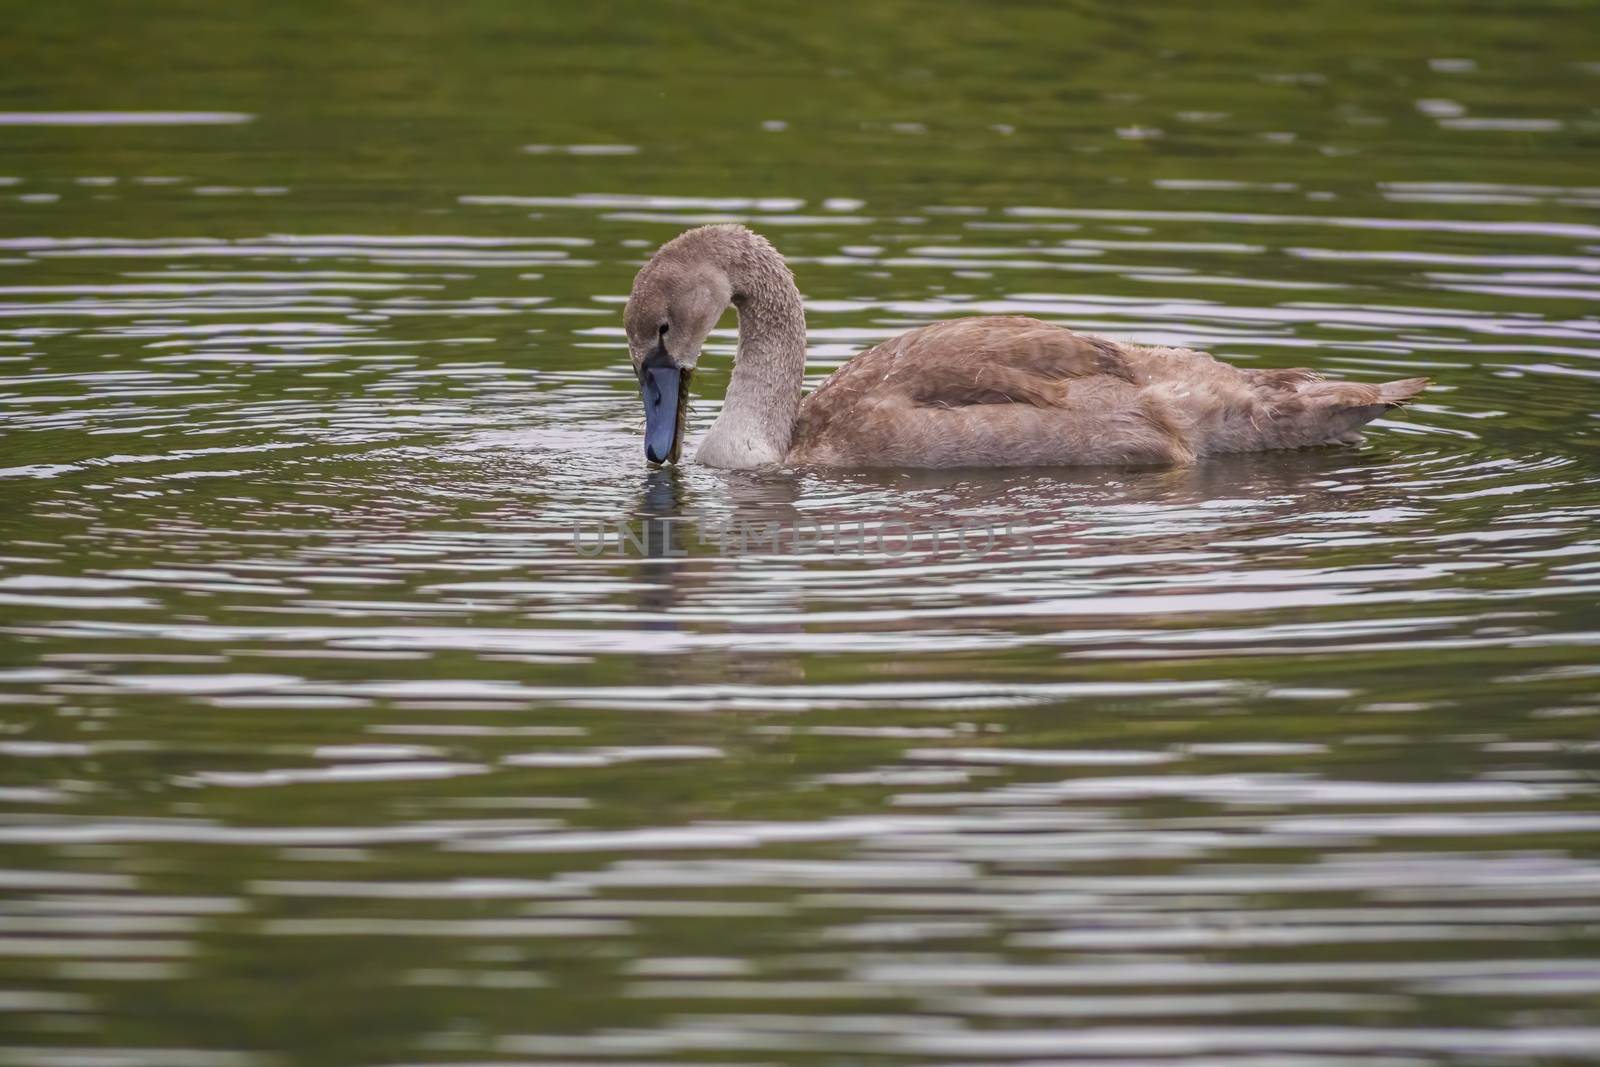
{"x":989,"y":360}
{"x":982,"y":391}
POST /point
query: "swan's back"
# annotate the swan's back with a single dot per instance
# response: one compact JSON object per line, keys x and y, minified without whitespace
{"x":1012,"y":391}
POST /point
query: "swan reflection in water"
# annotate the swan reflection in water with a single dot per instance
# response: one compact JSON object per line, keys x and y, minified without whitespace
{"x":745,"y":549}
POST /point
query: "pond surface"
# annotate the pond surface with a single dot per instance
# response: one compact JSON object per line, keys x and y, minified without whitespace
{"x":366,"y":701}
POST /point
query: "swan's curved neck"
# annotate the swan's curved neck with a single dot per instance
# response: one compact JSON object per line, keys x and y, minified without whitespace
{"x":757,"y":418}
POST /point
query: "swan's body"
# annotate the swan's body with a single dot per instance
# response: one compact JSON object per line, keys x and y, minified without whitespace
{"x":973,"y":392}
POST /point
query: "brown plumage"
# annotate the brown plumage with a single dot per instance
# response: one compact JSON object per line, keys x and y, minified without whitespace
{"x":977,"y":392}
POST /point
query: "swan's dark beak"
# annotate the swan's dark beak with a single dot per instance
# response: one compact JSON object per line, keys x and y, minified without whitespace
{"x":663,"y":386}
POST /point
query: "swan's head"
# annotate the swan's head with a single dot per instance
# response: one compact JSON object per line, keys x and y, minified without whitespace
{"x":676,"y":301}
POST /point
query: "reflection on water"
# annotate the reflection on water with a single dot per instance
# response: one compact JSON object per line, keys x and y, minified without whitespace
{"x":328,"y":739}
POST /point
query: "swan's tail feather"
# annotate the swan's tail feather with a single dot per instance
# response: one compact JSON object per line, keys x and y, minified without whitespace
{"x":1300,"y":409}
{"x":1399,"y":394}
{"x":1336,"y":410}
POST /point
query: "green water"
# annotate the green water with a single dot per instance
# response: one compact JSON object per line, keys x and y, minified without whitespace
{"x":324,"y":741}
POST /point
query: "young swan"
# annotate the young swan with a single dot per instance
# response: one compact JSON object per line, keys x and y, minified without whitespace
{"x":972,"y":392}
